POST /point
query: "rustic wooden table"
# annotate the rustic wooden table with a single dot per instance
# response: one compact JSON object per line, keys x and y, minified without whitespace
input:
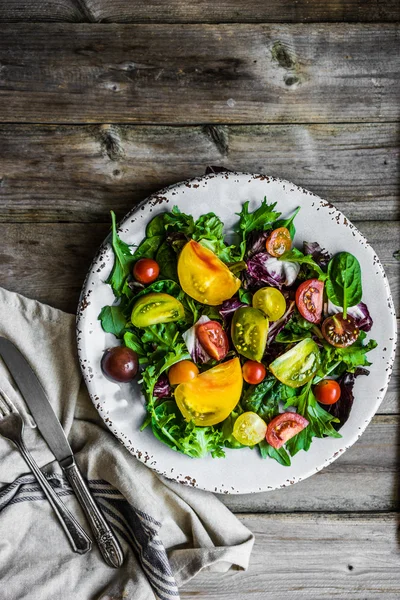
{"x":105,"y":101}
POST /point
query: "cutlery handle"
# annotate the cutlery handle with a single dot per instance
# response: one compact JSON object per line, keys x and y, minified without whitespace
{"x":79,"y":541}
{"x":108,"y":543}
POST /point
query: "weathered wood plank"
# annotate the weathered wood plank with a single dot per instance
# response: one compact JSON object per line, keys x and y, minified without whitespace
{"x":201,"y":11}
{"x":102,"y":166}
{"x":199,"y":73}
{"x":312,"y":557}
{"x":49,"y":261}
{"x":364,"y":478}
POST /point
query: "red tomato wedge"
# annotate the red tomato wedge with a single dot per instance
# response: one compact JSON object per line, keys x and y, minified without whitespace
{"x":213,"y":339}
{"x":309,"y":299}
{"x":283,"y":427}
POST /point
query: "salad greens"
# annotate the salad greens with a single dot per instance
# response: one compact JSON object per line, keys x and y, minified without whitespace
{"x":162,"y":345}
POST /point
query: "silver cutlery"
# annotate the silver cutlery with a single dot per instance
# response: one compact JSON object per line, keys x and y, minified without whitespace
{"x":11,"y":427}
{"x":51,"y":430}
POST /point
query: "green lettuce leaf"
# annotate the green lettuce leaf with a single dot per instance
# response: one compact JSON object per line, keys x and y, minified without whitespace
{"x":260,"y":219}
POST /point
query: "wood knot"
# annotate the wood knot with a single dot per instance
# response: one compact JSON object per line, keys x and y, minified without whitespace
{"x":111,"y":142}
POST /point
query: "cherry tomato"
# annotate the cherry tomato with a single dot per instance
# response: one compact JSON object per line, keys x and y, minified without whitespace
{"x":213,"y":339}
{"x":253,"y":372}
{"x":283,"y":427}
{"x":278,"y":242}
{"x":309,"y":299}
{"x":327,"y":391}
{"x":249,"y":429}
{"x":182,"y":372}
{"x":340,"y":331}
{"x":271,"y":302}
{"x":146,"y":270}
{"x":120,"y":364}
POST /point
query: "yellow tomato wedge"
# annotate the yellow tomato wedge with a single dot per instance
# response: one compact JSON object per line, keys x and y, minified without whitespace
{"x":204,"y":277}
{"x":211,"y":396}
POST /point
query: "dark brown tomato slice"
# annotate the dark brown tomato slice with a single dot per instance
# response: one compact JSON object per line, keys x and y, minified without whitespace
{"x":278,"y":242}
{"x":213,"y":339}
{"x":283,"y":427}
{"x":309,"y":299}
{"x":339,"y":331}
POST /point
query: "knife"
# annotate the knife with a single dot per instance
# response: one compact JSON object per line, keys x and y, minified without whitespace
{"x":51,"y":430}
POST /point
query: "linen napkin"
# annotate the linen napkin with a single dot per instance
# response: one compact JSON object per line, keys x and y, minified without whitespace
{"x":168,"y":532}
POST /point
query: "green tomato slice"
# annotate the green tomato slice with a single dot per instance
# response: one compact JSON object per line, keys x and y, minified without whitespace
{"x":249,"y":332}
{"x":156,"y":308}
{"x":298,"y":365}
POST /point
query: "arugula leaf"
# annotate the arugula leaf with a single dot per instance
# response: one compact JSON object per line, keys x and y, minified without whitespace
{"x":319,"y":421}
{"x":288,"y":223}
{"x":343,"y":286}
{"x":123,"y":260}
{"x":260,"y":219}
{"x":161,"y":335}
{"x":296,"y":256}
{"x":355,"y":355}
{"x":112,"y":320}
{"x":280,"y":454}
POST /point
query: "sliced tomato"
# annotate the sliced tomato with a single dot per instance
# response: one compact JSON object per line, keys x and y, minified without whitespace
{"x":309,"y":299}
{"x":249,"y":332}
{"x":283,"y":427}
{"x":339,"y":331}
{"x":213,"y":339}
{"x":278,"y":242}
{"x":249,"y":429}
{"x":327,"y":391}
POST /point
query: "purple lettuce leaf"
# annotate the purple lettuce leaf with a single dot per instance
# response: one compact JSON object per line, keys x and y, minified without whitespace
{"x":196,"y":350}
{"x":342,"y":408}
{"x":320,"y":255}
{"x":228,"y":307}
{"x":256,"y":242}
{"x":264,"y":269}
{"x":278,"y":325}
{"x":360,"y":314}
{"x":162,"y":389}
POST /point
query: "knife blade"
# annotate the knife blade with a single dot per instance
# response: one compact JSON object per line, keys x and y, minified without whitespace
{"x":51,"y":430}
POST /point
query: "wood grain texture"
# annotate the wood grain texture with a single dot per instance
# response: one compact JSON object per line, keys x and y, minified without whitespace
{"x":99,"y":167}
{"x":201,"y":11}
{"x":79,"y":73}
{"x":370,"y":465}
{"x":49,"y":261}
{"x":317,"y":557}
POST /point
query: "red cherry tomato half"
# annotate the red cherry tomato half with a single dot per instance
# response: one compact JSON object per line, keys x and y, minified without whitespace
{"x":339,"y":331}
{"x":213,"y":339}
{"x":278,"y":242}
{"x":253,"y":372}
{"x":309,"y":299}
{"x":283,"y":427}
{"x":327,"y":391}
{"x":146,"y":270}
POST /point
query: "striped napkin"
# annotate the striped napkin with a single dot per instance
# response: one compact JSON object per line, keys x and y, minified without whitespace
{"x":168,"y":532}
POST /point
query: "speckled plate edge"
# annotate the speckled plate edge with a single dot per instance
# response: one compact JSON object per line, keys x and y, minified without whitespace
{"x":158,"y":198}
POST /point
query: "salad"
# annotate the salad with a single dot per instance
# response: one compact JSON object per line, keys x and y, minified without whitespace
{"x":252,"y":344}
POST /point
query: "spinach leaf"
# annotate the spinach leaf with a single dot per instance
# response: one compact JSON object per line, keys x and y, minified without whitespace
{"x":123,"y":260}
{"x":288,"y":223}
{"x":280,"y":454}
{"x":245,"y":296}
{"x":113,"y":320}
{"x":148,"y":247}
{"x":156,"y":226}
{"x":260,"y":219}
{"x":343,"y":286}
{"x":296,"y":256}
{"x":134,"y":341}
{"x":167,"y":262}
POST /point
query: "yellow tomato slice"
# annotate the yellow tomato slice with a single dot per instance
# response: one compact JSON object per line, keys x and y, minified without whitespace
{"x":204,"y":277}
{"x":211,"y":396}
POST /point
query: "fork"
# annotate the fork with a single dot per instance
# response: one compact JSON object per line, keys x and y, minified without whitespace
{"x":11,"y":428}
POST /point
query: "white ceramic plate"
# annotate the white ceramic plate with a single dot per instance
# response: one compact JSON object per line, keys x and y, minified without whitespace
{"x":121,"y":406}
